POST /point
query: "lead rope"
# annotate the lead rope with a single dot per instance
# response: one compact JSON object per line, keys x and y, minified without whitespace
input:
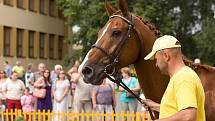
{"x":120,"y":83}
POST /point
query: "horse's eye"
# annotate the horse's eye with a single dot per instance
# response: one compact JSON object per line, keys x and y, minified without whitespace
{"x":115,"y":33}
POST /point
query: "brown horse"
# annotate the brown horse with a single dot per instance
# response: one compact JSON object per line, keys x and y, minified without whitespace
{"x":126,"y":39}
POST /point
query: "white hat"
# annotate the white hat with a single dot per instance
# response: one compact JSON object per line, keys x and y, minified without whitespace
{"x":197,"y":60}
{"x":164,"y":42}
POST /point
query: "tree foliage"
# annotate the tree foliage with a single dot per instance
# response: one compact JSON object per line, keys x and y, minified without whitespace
{"x":185,"y":19}
{"x":205,"y":42}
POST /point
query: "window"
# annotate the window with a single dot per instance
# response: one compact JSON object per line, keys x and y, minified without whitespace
{"x":20,"y":4}
{"x":52,"y":8}
{"x":8,"y":2}
{"x":60,"y":47}
{"x":7,"y":33}
{"x":31,"y":5}
{"x":19,"y":42}
{"x":51,"y":46}
{"x":42,"y":45}
{"x":31,"y":44}
{"x":42,"y":6}
{"x":60,"y":14}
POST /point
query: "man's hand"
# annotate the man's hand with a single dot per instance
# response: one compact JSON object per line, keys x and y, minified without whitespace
{"x":153,"y":105}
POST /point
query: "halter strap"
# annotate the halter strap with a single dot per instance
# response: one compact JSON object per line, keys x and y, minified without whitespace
{"x":123,"y":18}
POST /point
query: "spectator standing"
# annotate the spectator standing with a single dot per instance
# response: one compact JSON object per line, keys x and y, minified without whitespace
{"x":27,"y":101}
{"x":28,"y":77}
{"x":55,"y":73}
{"x":19,"y":69}
{"x":7,"y":69}
{"x":40,"y":84}
{"x":13,"y":90}
{"x":60,"y":92}
{"x":128,"y":104}
{"x":82,"y":96}
{"x":48,"y":87}
{"x":71,"y":73}
{"x":103,"y":98}
{"x":36,"y":76}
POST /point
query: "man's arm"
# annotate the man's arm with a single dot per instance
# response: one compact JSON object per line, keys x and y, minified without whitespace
{"x":153,"y":105}
{"x":188,"y":114}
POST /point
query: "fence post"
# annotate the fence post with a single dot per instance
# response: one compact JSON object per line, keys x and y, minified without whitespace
{"x":39,"y":115}
{"x":63,"y":116}
{"x":2,"y":115}
{"x":49,"y":117}
{"x":34,"y":115}
{"x":133,"y":116}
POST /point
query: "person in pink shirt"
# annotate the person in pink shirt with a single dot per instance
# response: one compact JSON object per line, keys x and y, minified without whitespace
{"x":27,"y":102}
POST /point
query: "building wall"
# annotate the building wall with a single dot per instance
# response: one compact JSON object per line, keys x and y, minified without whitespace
{"x":27,"y":20}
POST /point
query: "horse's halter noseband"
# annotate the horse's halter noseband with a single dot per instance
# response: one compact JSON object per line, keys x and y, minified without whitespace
{"x":114,"y":57}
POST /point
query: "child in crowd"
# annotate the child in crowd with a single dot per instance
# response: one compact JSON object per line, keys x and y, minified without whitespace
{"x":27,"y":102}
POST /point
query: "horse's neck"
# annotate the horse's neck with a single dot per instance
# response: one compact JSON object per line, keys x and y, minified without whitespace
{"x":151,"y":81}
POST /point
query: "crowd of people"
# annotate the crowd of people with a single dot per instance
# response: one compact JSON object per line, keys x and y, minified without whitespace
{"x":58,"y":91}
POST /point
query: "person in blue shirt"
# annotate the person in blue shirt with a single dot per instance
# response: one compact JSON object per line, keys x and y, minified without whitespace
{"x":128,"y":103}
{"x":7,"y":69}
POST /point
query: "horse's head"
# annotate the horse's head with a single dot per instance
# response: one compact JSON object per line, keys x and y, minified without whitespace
{"x":118,"y":45}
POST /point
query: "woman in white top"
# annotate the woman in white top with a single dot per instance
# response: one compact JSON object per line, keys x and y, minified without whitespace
{"x":60,"y":92}
{"x":13,"y":90}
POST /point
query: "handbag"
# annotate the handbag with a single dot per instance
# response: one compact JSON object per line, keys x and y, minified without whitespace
{"x":39,"y":93}
{"x":129,"y":95}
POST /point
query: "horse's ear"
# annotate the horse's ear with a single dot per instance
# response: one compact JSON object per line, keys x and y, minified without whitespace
{"x":109,"y":9}
{"x":123,"y":7}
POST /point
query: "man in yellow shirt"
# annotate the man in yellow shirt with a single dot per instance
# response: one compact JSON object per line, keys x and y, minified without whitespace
{"x":19,"y":69}
{"x":184,"y":97}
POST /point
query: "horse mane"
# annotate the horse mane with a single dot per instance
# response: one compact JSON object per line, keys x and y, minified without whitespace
{"x":196,"y":66}
{"x":188,"y":62}
{"x":151,"y":26}
{"x":147,"y":23}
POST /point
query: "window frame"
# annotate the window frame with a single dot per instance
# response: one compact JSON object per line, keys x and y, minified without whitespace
{"x":6,"y":44}
{"x":19,"y":42}
{"x":60,"y":47}
{"x":31,"y":37}
{"x":51,"y":46}
{"x":31,"y":5}
{"x":42,"y":9}
{"x":20,"y":5}
{"x":42,"y":45}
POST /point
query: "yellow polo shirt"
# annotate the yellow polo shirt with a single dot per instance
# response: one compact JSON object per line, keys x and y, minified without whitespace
{"x":184,"y":90}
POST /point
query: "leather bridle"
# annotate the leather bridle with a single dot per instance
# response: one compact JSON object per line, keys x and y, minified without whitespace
{"x":114,"y":57}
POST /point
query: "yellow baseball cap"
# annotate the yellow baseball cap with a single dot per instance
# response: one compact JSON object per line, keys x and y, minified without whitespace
{"x":164,"y":42}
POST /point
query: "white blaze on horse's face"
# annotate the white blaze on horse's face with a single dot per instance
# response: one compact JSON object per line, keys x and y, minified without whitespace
{"x":103,"y":33}
{"x":86,"y":57}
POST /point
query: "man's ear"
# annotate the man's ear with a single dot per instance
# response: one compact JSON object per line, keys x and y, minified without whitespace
{"x":166,"y":56}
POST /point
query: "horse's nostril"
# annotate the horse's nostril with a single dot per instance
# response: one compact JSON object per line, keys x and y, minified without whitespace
{"x":87,"y":71}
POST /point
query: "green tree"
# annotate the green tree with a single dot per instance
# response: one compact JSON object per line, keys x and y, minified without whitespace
{"x":205,"y":42}
{"x":178,"y":18}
